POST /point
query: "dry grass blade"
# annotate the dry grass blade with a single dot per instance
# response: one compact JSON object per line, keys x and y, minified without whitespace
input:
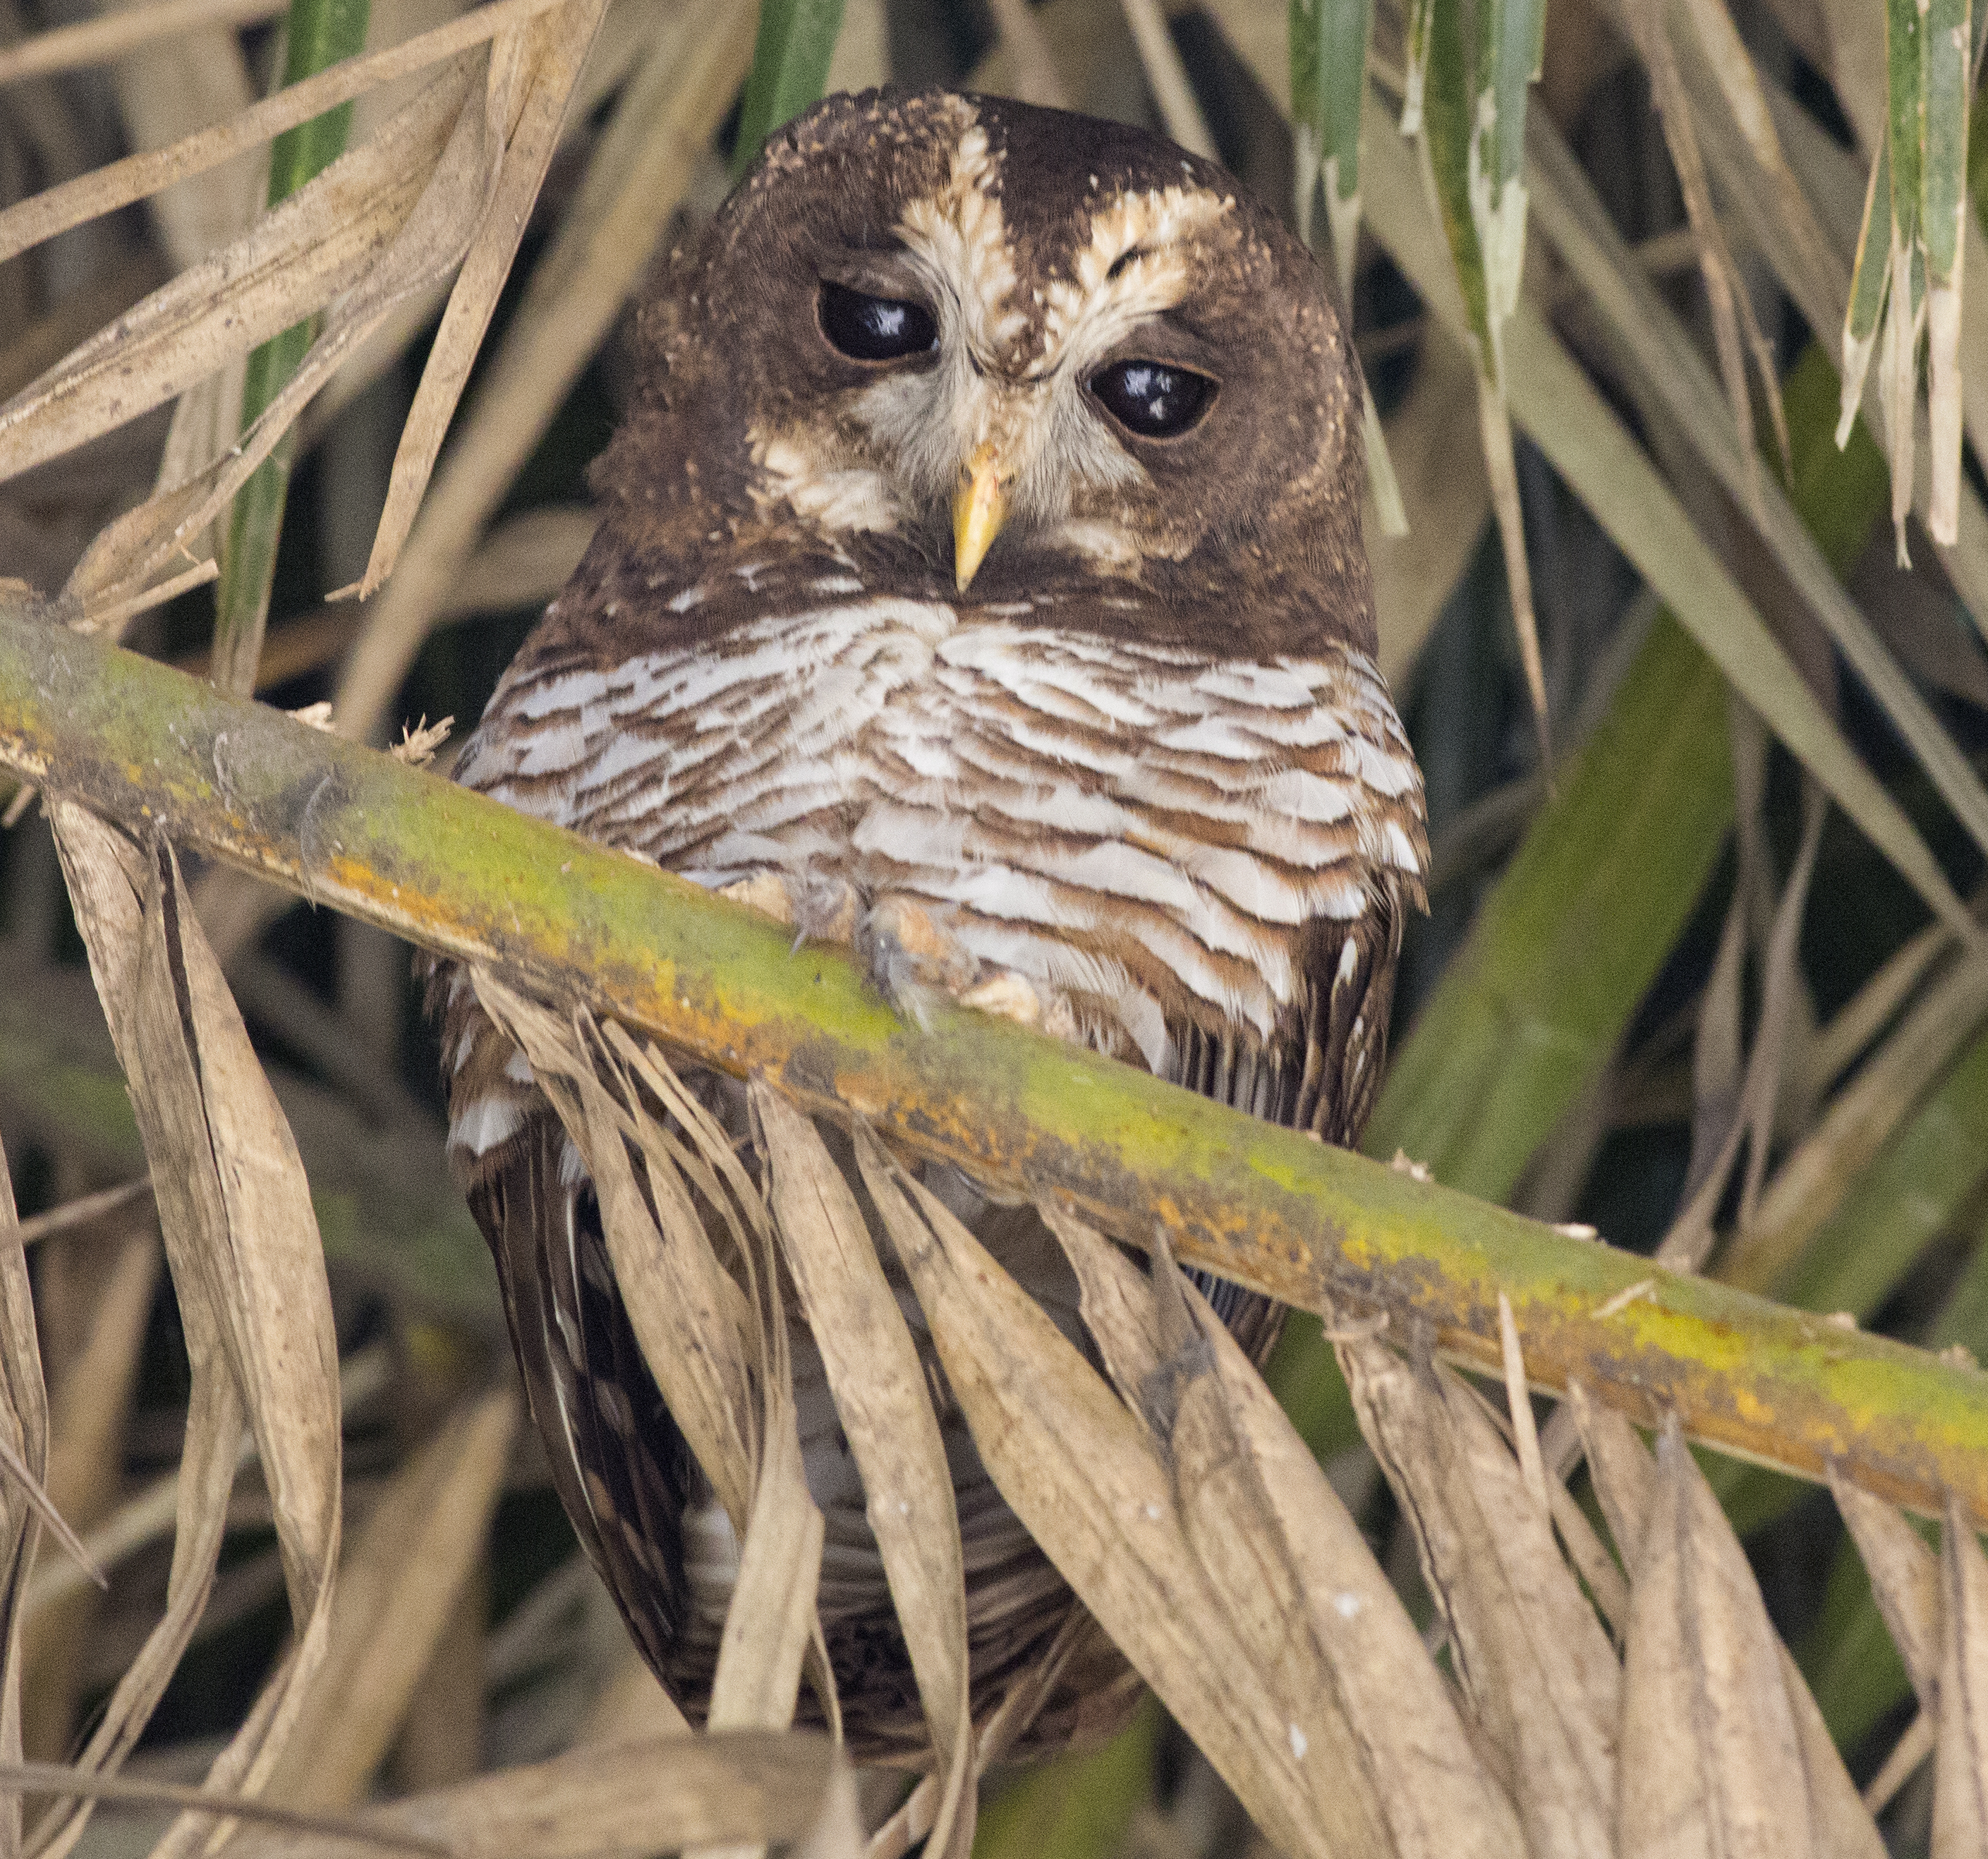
{"x":397,"y":1584}
{"x":1518,"y":1404}
{"x":1282,"y":1551}
{"x":1722,"y":48}
{"x":709,"y":1345}
{"x":1033,"y":73}
{"x":426,"y":244}
{"x":1166,"y":77}
{"x":1749,"y":1109}
{"x":1020,"y":1706}
{"x":1626,"y":1482}
{"x":1662,"y":356}
{"x":181,"y":85}
{"x":24,"y":1427}
{"x":1719,"y":1734}
{"x":1621,"y":1468}
{"x":1445,"y":496}
{"x":620,"y":1800}
{"x":137,"y":176}
{"x":1534,"y":1662}
{"x":94,"y":42}
{"x":249,"y":1268}
{"x":20,"y":1475}
{"x":662,"y":128}
{"x":884,"y":1404}
{"x":1494,"y":425}
{"x":1811,"y":1182}
{"x":772,"y":1624}
{"x":292,"y":262}
{"x":533,"y":70}
{"x":114,"y":1790}
{"x":1724,"y":288}
{"x":1842,"y":1040}
{"x":1080,"y":1470}
{"x":97,"y":1295}
{"x":149,"y":1514}
{"x":771,"y":1621}
{"x":691,"y":1319}
{"x":1904,"y":1581}
{"x":1960,"y":1754}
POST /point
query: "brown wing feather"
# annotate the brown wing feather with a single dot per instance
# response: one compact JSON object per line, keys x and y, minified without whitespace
{"x":617,"y":1460}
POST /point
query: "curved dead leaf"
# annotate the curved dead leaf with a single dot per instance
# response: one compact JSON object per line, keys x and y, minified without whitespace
{"x":1534,"y":1661}
{"x":884,"y":1403}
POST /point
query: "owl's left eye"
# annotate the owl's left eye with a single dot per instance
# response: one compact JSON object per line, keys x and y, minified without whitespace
{"x":1151,"y":399}
{"x":876,"y":329}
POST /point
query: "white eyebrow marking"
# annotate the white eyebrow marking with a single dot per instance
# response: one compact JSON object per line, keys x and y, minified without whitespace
{"x":958,"y":237}
{"x":1132,"y":269}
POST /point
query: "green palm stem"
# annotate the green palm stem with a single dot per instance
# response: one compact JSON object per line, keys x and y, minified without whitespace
{"x":320,"y":32}
{"x":1329,"y":1231}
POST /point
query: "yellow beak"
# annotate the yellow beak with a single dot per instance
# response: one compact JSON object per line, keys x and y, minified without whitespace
{"x":979,"y":508}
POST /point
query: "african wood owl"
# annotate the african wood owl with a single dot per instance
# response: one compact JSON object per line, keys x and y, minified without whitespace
{"x":979,"y":584}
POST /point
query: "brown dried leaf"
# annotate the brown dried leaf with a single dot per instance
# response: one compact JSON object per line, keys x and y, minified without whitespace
{"x":399,"y":1580}
{"x":105,"y":190}
{"x":1616,"y":1461}
{"x":1501,"y":473}
{"x":24,"y":1427}
{"x":1724,"y":288}
{"x":1080,"y":1472}
{"x":1724,"y":1750}
{"x":662,"y":125}
{"x":287,"y":266}
{"x":769,"y":1624}
{"x":686,"y":1314}
{"x":249,"y":1268}
{"x":623,"y":1800}
{"x":533,"y":68}
{"x":1271,"y":1530}
{"x":106,"y":1285}
{"x":1535,"y":1664}
{"x":427,"y":244}
{"x":1905,"y":1581}
{"x":884,"y":1404}
{"x":96,"y":42}
{"x":1446,"y":497}
{"x":196,"y":78}
{"x":1960,"y":1755}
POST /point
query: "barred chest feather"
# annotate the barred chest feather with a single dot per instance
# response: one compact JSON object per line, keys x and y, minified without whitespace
{"x":1151,"y":838}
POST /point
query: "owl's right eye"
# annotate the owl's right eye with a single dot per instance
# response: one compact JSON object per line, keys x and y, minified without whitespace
{"x":876,"y":329}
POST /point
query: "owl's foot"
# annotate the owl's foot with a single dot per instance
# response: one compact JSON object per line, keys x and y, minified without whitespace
{"x":818,"y":910}
{"x":912,"y":955}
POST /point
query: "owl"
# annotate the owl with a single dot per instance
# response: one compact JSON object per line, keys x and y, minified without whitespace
{"x":979,"y":585}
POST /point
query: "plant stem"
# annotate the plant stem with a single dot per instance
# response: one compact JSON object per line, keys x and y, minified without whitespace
{"x":587,"y":926}
{"x":321,"y":32}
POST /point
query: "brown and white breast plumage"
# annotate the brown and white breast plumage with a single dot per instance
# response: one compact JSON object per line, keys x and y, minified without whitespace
{"x":1182,"y":838}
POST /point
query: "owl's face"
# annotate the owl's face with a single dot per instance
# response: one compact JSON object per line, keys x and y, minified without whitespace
{"x":1019,"y":347}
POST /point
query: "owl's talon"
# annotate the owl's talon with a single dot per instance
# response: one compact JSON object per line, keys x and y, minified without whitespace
{"x":818,"y":910}
{"x":1008,"y":996}
{"x":906,"y":944}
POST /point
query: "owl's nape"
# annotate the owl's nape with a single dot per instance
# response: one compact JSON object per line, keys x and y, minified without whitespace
{"x":979,"y":587}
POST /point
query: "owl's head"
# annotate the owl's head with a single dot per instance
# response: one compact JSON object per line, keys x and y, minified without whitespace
{"x":1019,"y":347}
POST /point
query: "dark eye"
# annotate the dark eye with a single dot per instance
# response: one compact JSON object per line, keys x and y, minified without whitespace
{"x":1151,"y":399}
{"x":876,"y":329}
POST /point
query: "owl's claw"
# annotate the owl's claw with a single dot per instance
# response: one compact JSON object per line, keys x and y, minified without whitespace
{"x":818,"y":910}
{"x":913,"y":958}
{"x":910,"y":956}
